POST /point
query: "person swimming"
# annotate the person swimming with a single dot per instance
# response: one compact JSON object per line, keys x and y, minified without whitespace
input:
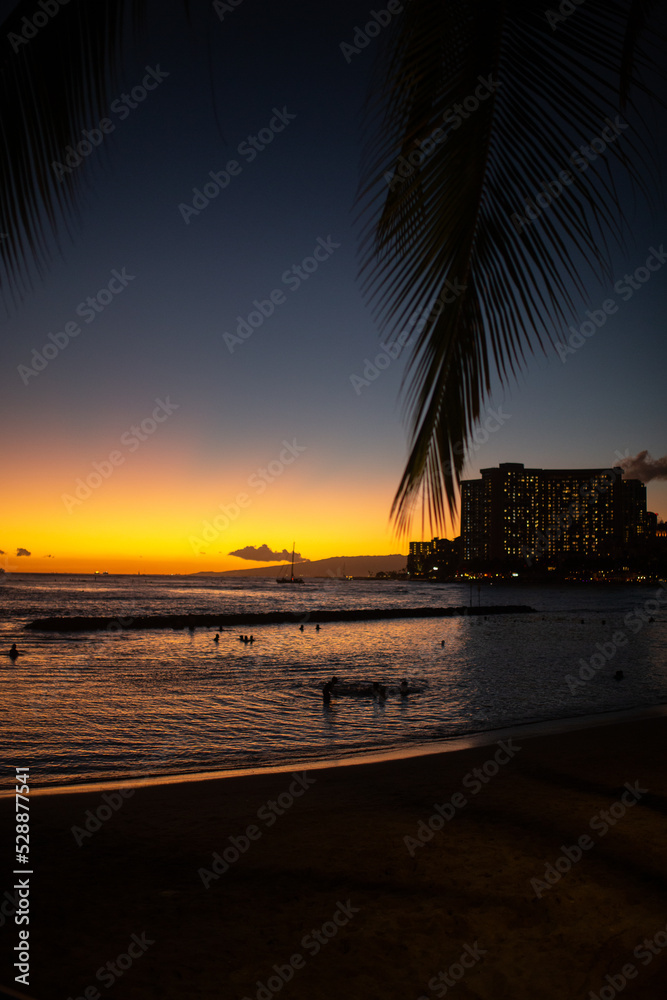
{"x":327,"y":690}
{"x":300,"y":628}
{"x":317,"y":628}
{"x":216,"y":637}
{"x":13,"y":652}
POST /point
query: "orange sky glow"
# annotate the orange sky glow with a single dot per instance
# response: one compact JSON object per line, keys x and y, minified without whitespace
{"x":154,"y":517}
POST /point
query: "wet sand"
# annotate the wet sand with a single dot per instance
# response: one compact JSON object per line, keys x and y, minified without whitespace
{"x":326,"y":898}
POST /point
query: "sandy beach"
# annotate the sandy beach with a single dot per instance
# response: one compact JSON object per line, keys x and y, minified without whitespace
{"x":399,"y":879}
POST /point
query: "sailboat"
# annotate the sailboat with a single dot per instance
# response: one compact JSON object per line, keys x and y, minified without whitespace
{"x":343,"y":578}
{"x":291,"y":578}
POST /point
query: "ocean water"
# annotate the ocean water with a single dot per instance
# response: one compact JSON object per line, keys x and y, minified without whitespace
{"x":117,"y":704}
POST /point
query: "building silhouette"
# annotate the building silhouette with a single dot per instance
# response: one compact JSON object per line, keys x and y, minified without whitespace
{"x":438,"y":559}
{"x":514,"y":515}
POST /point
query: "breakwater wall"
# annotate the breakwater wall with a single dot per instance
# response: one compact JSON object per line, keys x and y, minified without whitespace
{"x":223,"y":621}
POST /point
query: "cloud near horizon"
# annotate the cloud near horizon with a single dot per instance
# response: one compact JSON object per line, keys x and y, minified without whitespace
{"x":23,"y":552}
{"x":642,"y":466}
{"x":265,"y":554}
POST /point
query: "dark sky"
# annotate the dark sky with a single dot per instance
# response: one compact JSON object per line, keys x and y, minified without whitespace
{"x":163,"y":335}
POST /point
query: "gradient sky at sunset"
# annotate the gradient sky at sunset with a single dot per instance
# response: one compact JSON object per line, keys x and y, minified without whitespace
{"x":161,"y":338}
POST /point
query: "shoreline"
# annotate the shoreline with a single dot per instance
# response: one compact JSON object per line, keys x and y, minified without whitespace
{"x":543,"y":582}
{"x":226,"y":881}
{"x":467,"y":741}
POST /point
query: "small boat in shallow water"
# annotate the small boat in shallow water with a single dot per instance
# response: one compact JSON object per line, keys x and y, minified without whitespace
{"x":366,"y":689}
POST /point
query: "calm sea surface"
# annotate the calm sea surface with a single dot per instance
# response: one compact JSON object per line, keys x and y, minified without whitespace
{"x":108,"y":705}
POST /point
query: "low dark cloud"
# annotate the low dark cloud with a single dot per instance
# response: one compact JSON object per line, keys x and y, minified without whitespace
{"x":23,"y":552}
{"x":265,"y":554}
{"x":643,"y":467}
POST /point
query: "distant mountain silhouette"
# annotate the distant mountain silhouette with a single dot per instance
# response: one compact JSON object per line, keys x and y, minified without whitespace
{"x":337,"y":566}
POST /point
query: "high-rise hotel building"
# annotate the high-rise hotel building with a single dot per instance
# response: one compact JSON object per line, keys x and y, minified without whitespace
{"x":528,"y":514}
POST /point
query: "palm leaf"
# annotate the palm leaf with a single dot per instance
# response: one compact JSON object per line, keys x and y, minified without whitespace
{"x":53,"y":85}
{"x":448,"y":223}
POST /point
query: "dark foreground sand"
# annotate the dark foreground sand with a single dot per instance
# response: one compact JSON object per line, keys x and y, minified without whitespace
{"x":405,"y":918}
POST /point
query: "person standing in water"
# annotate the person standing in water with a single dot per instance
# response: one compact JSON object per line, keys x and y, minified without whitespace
{"x":379,"y":691}
{"x":327,"y":689}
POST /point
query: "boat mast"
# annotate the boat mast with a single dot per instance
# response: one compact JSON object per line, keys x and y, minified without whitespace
{"x":292,"y":562}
